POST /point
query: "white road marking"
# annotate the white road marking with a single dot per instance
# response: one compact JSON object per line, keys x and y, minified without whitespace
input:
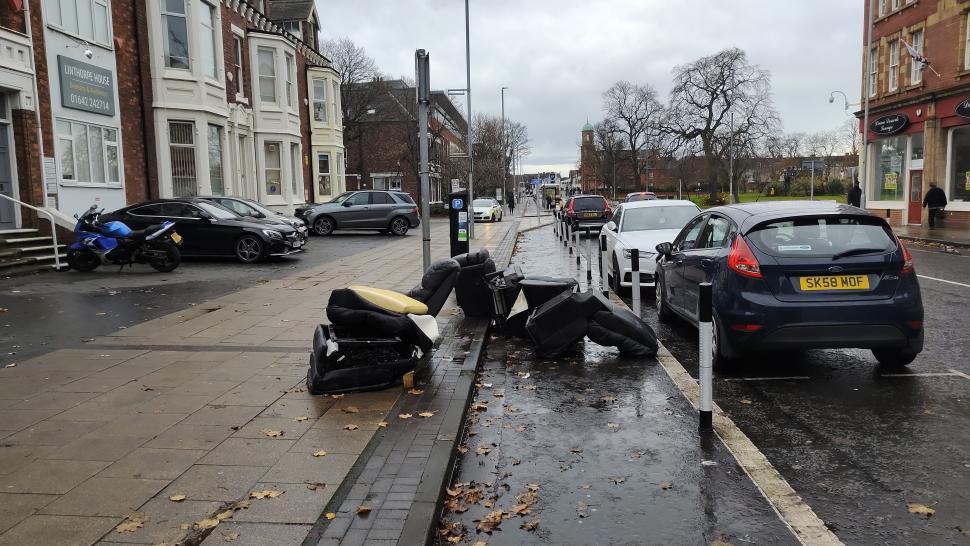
{"x":950,"y":373}
{"x":961,"y":374}
{"x":767,"y":378}
{"x":943,"y":280}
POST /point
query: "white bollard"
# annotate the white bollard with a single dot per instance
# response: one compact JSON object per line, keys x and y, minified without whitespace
{"x":635,"y":274}
{"x":576,"y":244}
{"x":604,"y":279}
{"x":706,"y":355}
{"x":589,"y":261}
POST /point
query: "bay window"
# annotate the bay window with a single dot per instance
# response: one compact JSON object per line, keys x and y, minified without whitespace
{"x":181,"y":144}
{"x":296,"y":172}
{"x":273,"y":168}
{"x":88,"y":153}
{"x":175,"y":35}
{"x":87,"y":19}
{"x":267,"y":74}
{"x":216,"y":178}
{"x":207,"y":38}
{"x":320,"y":100}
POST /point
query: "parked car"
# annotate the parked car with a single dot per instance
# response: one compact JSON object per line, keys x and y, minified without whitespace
{"x":208,"y":229}
{"x":386,"y":211}
{"x":640,"y":196}
{"x":642,"y":225}
{"x":487,"y":209}
{"x":795,"y":275}
{"x":587,"y":211}
{"x":251,"y":209}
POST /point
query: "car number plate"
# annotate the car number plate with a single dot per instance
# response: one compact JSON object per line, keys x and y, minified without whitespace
{"x":590,"y":214}
{"x":834,"y":282}
{"x":176,"y":237}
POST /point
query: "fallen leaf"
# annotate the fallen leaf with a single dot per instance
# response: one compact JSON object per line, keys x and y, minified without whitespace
{"x":315,"y":485}
{"x":300,"y":418}
{"x":320,"y":453}
{"x":229,"y":537}
{"x":330,"y":516}
{"x":585,"y":486}
{"x":404,"y":416}
{"x":382,"y":424}
{"x":266,"y":493}
{"x":516,"y":462}
{"x":11,"y":365}
{"x":462,"y":449}
{"x":520,"y":428}
{"x":272,"y":433}
{"x":416,"y":392}
{"x":520,"y":509}
{"x":530,"y":387}
{"x":613,"y":426}
{"x":532,"y":486}
{"x":480,"y":543}
{"x":454,"y":539}
{"x":618,"y":480}
{"x":920,"y":509}
{"x":351,"y":427}
{"x":207,"y":523}
{"x":582,"y":509}
{"x":146,"y":389}
{"x":491,"y":521}
{"x":608,"y":399}
{"x":131,"y":523}
{"x":426,"y":414}
{"x":576,"y":450}
{"x":350,"y":409}
{"x":363,"y":510}
{"x":177,"y":498}
{"x":241,"y":504}
{"x":530,"y":525}
{"x":666,"y":485}
{"x":720,"y":541}
{"x":488,"y":504}
{"x":336,"y":396}
{"x":746,"y":402}
{"x":222,"y":516}
{"x":483,"y":450}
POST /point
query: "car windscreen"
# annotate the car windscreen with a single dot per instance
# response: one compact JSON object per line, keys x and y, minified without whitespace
{"x":647,"y":218}
{"x":216,"y":211}
{"x":483,"y":203}
{"x":342,"y":197}
{"x":589,"y":203}
{"x":822,"y":237}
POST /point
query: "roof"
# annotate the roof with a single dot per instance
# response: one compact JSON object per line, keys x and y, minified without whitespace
{"x":290,"y":10}
{"x":658,"y":203}
{"x":750,"y":214}
{"x":587,"y":127}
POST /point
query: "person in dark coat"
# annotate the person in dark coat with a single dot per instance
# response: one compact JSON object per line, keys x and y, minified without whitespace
{"x":511,"y":204}
{"x":855,"y":195}
{"x":935,"y":201}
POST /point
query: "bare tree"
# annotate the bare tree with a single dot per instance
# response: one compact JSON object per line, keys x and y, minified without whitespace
{"x":493,"y":150}
{"x":607,"y":143}
{"x":355,"y":67}
{"x":705,"y":94}
{"x":635,"y":113}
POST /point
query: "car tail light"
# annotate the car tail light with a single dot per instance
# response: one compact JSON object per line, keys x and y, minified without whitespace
{"x":609,"y":211}
{"x":746,"y":328}
{"x":907,"y":259}
{"x":414,"y":210}
{"x":569,"y":210}
{"x":915,"y":324}
{"x":742,"y":261}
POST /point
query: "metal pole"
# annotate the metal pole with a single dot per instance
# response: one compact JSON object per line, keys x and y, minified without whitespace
{"x":505,"y":143}
{"x":468,"y":96}
{"x":706,"y":353}
{"x":811,"y":193}
{"x":863,"y":180}
{"x":423,"y":79}
{"x":589,"y":260}
{"x":603,"y":277}
{"x":635,"y":274}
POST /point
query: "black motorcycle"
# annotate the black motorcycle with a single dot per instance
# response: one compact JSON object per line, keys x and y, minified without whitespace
{"x":113,"y":242}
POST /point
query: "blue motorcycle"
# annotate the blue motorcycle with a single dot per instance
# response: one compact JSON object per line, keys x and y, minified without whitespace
{"x":113,"y":242}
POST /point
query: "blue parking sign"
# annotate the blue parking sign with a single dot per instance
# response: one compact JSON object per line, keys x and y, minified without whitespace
{"x":457,"y":203}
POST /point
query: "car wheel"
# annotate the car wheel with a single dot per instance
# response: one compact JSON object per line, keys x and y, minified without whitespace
{"x":399,"y":226}
{"x":894,"y":358}
{"x":323,"y":225}
{"x":249,"y":249}
{"x":664,"y":314}
{"x":618,"y":288}
{"x":83,"y":260}
{"x":723,"y":355}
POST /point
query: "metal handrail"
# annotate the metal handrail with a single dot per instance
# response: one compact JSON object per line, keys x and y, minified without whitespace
{"x":57,"y":259}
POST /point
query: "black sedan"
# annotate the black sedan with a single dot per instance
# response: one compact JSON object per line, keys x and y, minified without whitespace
{"x":208,"y":229}
{"x":251,"y":209}
{"x":795,"y":275}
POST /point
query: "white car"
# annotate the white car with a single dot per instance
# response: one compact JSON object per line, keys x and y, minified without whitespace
{"x":642,"y":225}
{"x":487,"y":209}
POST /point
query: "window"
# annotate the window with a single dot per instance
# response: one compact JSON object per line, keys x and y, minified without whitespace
{"x":267,"y":74}
{"x":821,"y":237}
{"x":890,"y":166}
{"x":216,"y":179}
{"x":88,"y":153}
{"x":320,"y":100}
{"x":873,"y":71}
{"x":894,"y":65}
{"x":237,"y":65}
{"x":296,"y":171}
{"x":386,"y":181}
{"x":916,"y":147}
{"x":181,"y":142}
{"x":340,"y":171}
{"x":87,"y":19}
{"x":359,"y":198}
{"x":293,"y":27}
{"x":273,"y":168}
{"x":916,"y":69}
{"x":338,"y":115}
{"x":380,"y":198}
{"x":882,"y":8}
{"x":895,"y":5}
{"x":717,"y":233}
{"x":688,"y":238}
{"x":960,"y":159}
{"x":207,"y":39}
{"x":175,"y":35}
{"x":290,"y":77}
{"x":323,"y":175}
{"x":259,"y":6}
{"x":966,"y":45}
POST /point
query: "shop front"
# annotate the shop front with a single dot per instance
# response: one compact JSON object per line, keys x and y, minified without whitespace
{"x":896,"y":151}
{"x":954,"y":115}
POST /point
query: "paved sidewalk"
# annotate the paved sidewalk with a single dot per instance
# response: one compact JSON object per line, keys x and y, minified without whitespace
{"x":207,"y":403}
{"x":943,"y":236}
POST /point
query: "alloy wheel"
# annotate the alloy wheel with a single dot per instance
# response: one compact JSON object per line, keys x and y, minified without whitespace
{"x":323,"y":226}
{"x":399,"y":226}
{"x":249,"y":249}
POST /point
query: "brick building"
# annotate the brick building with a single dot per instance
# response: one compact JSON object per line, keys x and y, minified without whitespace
{"x":919,"y":121}
{"x":599,"y":172}
{"x":113,"y":102}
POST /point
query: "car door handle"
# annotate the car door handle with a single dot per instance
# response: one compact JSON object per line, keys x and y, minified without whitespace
{"x":707,"y":261}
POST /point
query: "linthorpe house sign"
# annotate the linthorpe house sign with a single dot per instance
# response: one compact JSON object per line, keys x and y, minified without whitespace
{"x":963,"y":109}
{"x":889,"y":124}
{"x":86,"y":87}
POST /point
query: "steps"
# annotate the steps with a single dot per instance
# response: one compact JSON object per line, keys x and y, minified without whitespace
{"x":27,"y":251}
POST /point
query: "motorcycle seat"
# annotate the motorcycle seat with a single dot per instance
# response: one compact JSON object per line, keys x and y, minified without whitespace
{"x":142,"y":233}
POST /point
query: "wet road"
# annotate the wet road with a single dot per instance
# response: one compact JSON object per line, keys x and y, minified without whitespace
{"x":591,"y":448}
{"x":49,"y":311}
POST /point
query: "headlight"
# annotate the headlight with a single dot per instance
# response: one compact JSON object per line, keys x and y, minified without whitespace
{"x":627,"y":253}
{"x":272,"y":234}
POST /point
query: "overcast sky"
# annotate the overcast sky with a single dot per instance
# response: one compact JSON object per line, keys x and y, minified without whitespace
{"x":558,"y":56}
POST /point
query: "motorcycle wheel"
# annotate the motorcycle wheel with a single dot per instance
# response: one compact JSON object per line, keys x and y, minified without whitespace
{"x":83,"y":260}
{"x":172,"y":257}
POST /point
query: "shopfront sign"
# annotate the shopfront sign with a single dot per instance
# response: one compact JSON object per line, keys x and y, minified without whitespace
{"x":890,"y":181}
{"x":889,"y":124}
{"x":963,"y":109}
{"x":86,"y":87}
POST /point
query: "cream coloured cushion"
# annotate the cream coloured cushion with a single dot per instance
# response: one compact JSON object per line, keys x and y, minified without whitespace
{"x":390,"y":300}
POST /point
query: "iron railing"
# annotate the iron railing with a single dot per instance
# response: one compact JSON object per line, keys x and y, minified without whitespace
{"x":57,"y":258}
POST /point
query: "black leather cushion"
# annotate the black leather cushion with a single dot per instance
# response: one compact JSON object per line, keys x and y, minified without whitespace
{"x":622,"y":329}
{"x":472,"y":292}
{"x":557,"y":325}
{"x":436,"y":284}
{"x":357,"y":364}
{"x":360,"y":318}
{"x":539,"y":290}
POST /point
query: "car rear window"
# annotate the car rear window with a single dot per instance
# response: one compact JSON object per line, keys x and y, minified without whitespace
{"x":640,"y":197}
{"x":404,"y":198}
{"x":642,"y":219}
{"x":589,"y":203}
{"x":822,"y":237}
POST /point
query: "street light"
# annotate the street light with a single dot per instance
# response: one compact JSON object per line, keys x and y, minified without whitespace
{"x":845,"y":99}
{"x":505,"y":186}
{"x":468,"y":137}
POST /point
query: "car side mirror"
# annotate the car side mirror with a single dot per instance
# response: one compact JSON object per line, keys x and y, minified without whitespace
{"x":259,"y":215}
{"x":347,"y":203}
{"x":665,"y":249}
{"x":611,"y":225}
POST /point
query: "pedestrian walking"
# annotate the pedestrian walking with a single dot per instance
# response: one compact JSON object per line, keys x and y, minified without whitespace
{"x":855,"y":195}
{"x":511,"y":204}
{"x":548,"y":202}
{"x":935,"y":201}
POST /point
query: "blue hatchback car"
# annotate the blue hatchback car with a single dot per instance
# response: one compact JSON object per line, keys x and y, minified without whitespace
{"x":795,"y":275}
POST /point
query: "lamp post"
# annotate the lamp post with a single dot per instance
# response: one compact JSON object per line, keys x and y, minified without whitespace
{"x":863,"y":156}
{"x":468,"y":98}
{"x":505,"y":186}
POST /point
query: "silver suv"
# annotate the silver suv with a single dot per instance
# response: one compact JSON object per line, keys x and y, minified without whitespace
{"x":385,"y":211}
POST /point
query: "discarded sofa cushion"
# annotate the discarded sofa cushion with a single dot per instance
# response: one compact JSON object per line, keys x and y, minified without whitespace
{"x":390,"y":300}
{"x":622,"y":329}
{"x":356,"y":317}
{"x":436,"y":284}
{"x":471,"y":289}
{"x":539,"y":290}
{"x":346,"y":365}
{"x":557,"y":324}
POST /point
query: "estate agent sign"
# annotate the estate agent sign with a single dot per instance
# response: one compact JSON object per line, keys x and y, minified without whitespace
{"x":86,"y":87}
